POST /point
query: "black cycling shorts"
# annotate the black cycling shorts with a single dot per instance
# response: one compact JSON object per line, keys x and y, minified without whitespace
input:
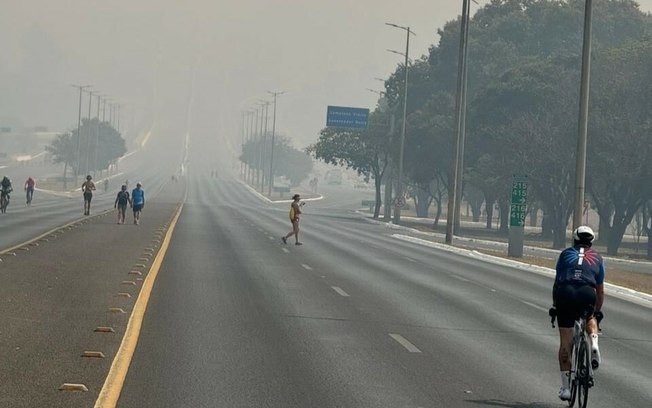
{"x":572,"y":301}
{"x":88,"y":197}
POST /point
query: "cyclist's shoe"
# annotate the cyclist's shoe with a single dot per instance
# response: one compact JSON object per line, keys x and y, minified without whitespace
{"x":564,"y":394}
{"x":285,"y":240}
{"x":595,"y":353}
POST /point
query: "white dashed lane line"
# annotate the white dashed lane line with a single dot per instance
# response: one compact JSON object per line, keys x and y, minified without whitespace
{"x":287,"y":251}
{"x":340,"y":291}
{"x":409,"y":259}
{"x":405,"y":343}
{"x":271,"y":238}
{"x":306,"y":267}
{"x":460,"y":278}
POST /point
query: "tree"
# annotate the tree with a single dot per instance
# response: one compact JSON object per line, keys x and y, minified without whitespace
{"x":63,"y":150}
{"x":288,"y":161}
{"x":99,"y":145}
{"x":620,"y":147}
{"x":365,"y":151}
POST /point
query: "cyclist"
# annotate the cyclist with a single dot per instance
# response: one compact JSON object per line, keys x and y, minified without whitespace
{"x":578,"y":288}
{"x":5,"y":187}
{"x":29,"y":188}
{"x":87,"y":188}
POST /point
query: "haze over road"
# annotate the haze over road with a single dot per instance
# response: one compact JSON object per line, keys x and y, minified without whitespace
{"x":354,"y":318}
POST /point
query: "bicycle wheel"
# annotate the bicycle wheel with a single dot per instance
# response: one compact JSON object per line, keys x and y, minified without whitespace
{"x":583,"y":376}
{"x":573,"y":379}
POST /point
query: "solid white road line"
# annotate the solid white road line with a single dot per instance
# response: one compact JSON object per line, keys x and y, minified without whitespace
{"x":306,"y":267}
{"x":340,"y":291}
{"x":543,"y":309}
{"x":405,"y":343}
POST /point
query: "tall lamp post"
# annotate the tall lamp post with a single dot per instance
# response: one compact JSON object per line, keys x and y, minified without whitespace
{"x":580,"y":165}
{"x":399,"y":183}
{"x":454,"y":195}
{"x":271,"y":160}
{"x":78,"y":153}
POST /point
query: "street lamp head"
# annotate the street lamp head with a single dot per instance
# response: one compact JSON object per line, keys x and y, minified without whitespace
{"x":381,"y":93}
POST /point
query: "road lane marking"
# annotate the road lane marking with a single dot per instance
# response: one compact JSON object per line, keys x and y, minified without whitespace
{"x":460,"y":278}
{"x":271,"y":238}
{"x":110,"y":393}
{"x":405,"y":343}
{"x":307,"y":267}
{"x":543,"y":309}
{"x":340,"y":291}
{"x":409,"y":259}
{"x":287,"y":251}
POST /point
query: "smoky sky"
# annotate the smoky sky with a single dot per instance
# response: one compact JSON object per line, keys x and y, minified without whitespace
{"x":196,"y":65}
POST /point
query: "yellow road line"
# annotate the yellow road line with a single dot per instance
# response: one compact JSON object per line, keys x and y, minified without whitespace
{"x":112,"y":388}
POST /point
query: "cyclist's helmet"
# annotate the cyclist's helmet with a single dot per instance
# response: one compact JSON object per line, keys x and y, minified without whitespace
{"x":583,"y":235}
{"x":138,"y":184}
{"x":88,"y":177}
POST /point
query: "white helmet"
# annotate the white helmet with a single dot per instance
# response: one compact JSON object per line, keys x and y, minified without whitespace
{"x":583,"y":234}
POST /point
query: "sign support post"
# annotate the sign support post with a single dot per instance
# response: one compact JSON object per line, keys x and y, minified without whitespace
{"x":518,"y":210}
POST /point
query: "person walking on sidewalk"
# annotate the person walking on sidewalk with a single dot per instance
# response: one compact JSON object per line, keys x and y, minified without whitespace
{"x":121,"y":202}
{"x":138,"y":201}
{"x":295,"y":212}
{"x":87,"y":188}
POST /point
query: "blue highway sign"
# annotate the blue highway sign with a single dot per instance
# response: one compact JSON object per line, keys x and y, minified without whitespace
{"x":343,"y":117}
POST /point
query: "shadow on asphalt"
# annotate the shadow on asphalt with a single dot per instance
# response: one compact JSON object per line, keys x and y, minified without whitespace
{"x":510,"y":404}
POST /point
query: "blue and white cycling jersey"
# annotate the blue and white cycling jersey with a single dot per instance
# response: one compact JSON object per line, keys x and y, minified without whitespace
{"x":580,"y":266}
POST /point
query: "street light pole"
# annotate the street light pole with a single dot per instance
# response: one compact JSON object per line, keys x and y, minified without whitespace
{"x":454,"y":195}
{"x":78,"y":155}
{"x":88,"y":137}
{"x":580,"y":165}
{"x":271,"y":160}
{"x":399,"y":183}
{"x":264,"y":152}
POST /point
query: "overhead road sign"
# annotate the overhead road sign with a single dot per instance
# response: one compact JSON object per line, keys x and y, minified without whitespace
{"x":344,"y":117}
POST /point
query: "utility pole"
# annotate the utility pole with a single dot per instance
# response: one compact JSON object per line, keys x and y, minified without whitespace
{"x":399,"y":185}
{"x":580,"y":165}
{"x":454,"y":195}
{"x":264,"y":153}
{"x":271,"y":159}
{"x":78,"y":153}
{"x":88,"y":138}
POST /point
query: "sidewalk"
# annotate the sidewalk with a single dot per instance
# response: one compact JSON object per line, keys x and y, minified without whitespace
{"x":632,"y":274}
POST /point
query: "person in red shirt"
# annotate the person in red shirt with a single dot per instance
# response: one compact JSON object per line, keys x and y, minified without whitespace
{"x":29,"y":189}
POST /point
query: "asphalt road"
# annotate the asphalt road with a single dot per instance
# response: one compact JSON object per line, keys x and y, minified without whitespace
{"x":353,"y":318}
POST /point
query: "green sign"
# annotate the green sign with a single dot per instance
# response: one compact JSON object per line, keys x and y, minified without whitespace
{"x":518,"y":208}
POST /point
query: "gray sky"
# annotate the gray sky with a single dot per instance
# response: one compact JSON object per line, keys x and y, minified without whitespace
{"x":144,"y":54}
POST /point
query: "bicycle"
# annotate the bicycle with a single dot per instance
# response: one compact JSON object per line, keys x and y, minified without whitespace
{"x":581,"y":374}
{"x":4,"y":202}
